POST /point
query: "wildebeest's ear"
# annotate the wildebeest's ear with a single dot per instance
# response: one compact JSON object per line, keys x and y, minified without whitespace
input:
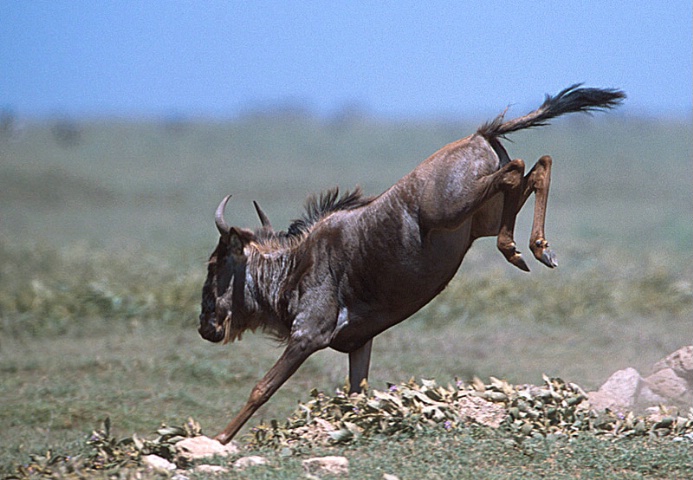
{"x":238,"y":238}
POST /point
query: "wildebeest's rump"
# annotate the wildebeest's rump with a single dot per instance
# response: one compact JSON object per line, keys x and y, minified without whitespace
{"x":354,"y":266}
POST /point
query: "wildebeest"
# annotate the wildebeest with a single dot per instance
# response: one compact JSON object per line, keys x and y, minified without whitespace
{"x":354,"y":266}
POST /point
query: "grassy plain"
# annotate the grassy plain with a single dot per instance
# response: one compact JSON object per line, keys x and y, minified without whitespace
{"x":103,"y":244}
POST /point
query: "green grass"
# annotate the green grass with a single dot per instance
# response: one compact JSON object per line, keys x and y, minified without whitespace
{"x":466,"y":452}
{"x":102,"y":257}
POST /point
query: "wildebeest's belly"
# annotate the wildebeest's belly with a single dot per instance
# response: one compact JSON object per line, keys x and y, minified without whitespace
{"x":384,"y":293}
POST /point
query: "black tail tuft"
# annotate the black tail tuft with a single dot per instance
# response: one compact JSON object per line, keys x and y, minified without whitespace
{"x":571,"y":99}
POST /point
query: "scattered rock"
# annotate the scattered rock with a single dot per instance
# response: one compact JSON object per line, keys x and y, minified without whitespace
{"x":619,"y":392}
{"x":215,"y":469}
{"x":671,"y":383}
{"x":195,"y":448}
{"x":681,"y":362}
{"x":251,"y":461}
{"x":158,"y":463}
{"x":482,"y":411}
{"x":666,"y":383}
{"x":648,"y":397}
{"x":331,"y":465}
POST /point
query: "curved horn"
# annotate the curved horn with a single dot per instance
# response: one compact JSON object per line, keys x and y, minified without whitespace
{"x":222,"y":226}
{"x":264,"y":220}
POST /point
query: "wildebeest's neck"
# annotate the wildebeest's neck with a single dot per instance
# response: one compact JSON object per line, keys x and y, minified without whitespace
{"x":268,"y":277}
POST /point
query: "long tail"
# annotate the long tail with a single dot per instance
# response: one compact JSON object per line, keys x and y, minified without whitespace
{"x":572,"y":99}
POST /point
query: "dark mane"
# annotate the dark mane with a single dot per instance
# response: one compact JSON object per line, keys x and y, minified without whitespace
{"x":316,"y":207}
{"x":319,"y":206}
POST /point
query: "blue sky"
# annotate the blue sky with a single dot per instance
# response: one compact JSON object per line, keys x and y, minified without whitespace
{"x":406,"y":59}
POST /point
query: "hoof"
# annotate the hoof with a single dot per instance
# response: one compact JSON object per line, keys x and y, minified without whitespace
{"x":513,"y":255}
{"x":541,"y":251}
{"x":519,"y":262}
{"x":548,"y":258}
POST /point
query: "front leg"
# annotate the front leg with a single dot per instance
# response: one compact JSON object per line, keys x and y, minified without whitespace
{"x":292,"y":358}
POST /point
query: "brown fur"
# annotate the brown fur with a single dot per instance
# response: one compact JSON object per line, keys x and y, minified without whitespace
{"x":353,"y":267}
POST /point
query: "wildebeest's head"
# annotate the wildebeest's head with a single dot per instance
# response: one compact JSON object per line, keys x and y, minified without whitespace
{"x":225,"y":280}
{"x":228,"y":308}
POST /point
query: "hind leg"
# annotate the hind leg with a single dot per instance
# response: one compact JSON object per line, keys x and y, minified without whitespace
{"x":499,"y":198}
{"x":511,"y":183}
{"x":538,"y":181}
{"x":497,"y":218}
{"x":359,"y":362}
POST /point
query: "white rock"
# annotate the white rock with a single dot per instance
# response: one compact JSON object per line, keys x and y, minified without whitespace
{"x":619,"y":391}
{"x":387,"y":476}
{"x":648,"y":397}
{"x":158,"y":463}
{"x":211,"y":469}
{"x":681,"y":362}
{"x":481,"y":411}
{"x":250,"y":461}
{"x":331,"y":465}
{"x":668,"y":384}
{"x":195,"y":448}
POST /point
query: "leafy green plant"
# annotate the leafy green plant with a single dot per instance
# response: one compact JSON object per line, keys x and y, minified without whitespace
{"x":526,"y":411}
{"x":102,"y":451}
